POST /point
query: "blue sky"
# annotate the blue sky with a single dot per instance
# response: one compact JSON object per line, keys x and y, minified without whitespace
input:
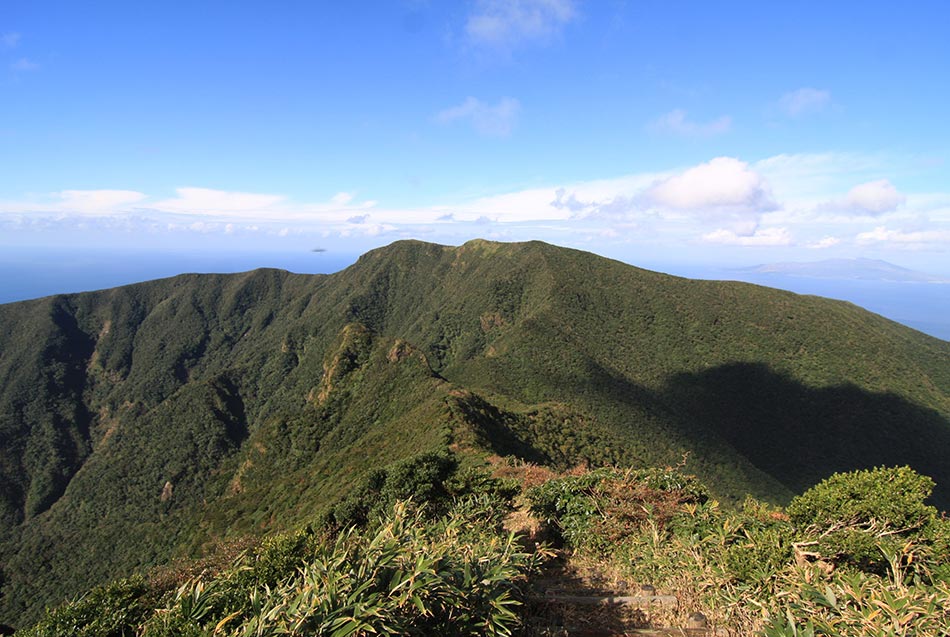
{"x":700,"y":132}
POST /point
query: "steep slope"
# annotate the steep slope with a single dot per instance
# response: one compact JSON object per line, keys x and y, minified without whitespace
{"x":148,"y":421}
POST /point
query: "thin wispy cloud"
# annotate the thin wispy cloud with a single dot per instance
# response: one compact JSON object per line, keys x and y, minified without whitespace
{"x":99,"y":201}
{"x":67,"y":203}
{"x":804,"y":101}
{"x":766,"y":237}
{"x":677,"y":122}
{"x":218,"y":202}
{"x":824,"y":243}
{"x":24,"y":65}
{"x":491,"y":121}
{"x":508,"y":24}
{"x":9,"y":40}
{"x":912,"y":239}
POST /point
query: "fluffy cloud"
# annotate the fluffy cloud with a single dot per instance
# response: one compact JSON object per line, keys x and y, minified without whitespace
{"x":677,"y":123}
{"x":804,"y":101}
{"x":759,"y":238}
{"x":509,"y":23}
{"x":873,"y":198}
{"x":492,"y":121}
{"x":723,"y":185}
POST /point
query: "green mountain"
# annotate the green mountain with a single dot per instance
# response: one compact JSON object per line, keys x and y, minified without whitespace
{"x":158,"y":420}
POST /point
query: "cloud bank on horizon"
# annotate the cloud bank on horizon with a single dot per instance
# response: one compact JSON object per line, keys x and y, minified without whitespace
{"x":724,"y":201}
{"x":608,"y":127}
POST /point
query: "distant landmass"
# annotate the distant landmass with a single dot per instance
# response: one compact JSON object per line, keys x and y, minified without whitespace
{"x":861,"y":269}
{"x":149,"y":422}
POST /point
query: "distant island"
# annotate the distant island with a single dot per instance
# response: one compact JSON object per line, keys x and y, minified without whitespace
{"x":859,"y":269}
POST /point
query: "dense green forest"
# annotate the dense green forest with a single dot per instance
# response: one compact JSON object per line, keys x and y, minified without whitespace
{"x":172,"y":419}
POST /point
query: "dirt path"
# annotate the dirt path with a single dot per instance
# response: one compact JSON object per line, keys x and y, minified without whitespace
{"x":577,"y":600}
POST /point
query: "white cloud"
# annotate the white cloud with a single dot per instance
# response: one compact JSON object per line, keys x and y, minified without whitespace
{"x":824,"y":243}
{"x":10,"y":40}
{"x":874,"y":198}
{"x":722,"y":202}
{"x":724,"y":184}
{"x":911,"y":239}
{"x":804,"y":101}
{"x":759,"y":238}
{"x":724,"y":191}
{"x":493,"y":121}
{"x":506,"y":24}
{"x":677,"y":123}
{"x":24,"y":64}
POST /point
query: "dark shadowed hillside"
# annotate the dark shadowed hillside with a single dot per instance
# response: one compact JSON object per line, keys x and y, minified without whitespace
{"x":151,"y":421}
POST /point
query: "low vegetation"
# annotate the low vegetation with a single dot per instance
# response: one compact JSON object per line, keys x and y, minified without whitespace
{"x":860,"y":554}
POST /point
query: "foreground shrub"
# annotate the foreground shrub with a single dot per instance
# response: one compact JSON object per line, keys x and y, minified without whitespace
{"x":861,"y":605}
{"x":854,"y":519}
{"x":859,"y":554}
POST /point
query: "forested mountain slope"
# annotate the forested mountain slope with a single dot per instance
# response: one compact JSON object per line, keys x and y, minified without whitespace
{"x":149,"y":421}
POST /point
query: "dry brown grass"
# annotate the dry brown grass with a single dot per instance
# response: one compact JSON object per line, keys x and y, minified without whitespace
{"x":528,"y":473}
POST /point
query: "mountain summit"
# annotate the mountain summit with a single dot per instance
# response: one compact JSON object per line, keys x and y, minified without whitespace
{"x":151,"y":421}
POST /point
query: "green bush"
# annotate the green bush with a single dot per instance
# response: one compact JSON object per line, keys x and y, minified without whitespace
{"x":421,"y":479}
{"x":430,"y":480}
{"x":889,"y":497}
{"x":602,"y":507}
{"x":113,"y":610}
{"x":857,"y":518}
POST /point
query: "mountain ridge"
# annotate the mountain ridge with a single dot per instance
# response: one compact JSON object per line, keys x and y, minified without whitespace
{"x":174,"y":413}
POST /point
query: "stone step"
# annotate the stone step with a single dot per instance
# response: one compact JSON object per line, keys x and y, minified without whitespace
{"x":642,"y":632}
{"x":637,"y":601}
